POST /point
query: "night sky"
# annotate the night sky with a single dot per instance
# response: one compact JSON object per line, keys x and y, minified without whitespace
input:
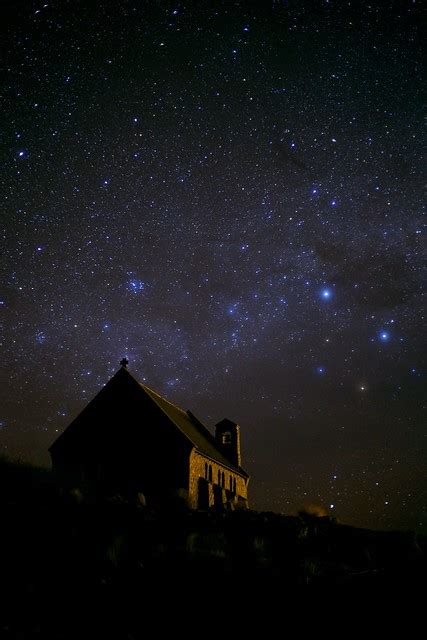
{"x":228,"y":193}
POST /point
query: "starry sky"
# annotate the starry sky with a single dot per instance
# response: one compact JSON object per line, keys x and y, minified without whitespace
{"x":229,"y":194}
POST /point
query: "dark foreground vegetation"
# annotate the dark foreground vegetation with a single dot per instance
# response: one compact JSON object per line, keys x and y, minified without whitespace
{"x":66,"y":558}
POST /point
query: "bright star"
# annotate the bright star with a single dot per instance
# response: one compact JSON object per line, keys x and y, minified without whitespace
{"x":384,"y":336}
{"x":326,"y":294}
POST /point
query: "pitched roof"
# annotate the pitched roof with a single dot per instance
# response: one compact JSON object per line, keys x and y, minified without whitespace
{"x":192,"y":428}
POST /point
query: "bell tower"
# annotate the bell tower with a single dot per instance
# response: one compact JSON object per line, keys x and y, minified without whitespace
{"x":227,"y":435}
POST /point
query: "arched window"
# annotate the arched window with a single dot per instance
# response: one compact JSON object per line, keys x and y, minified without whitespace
{"x":223,"y":480}
{"x":206,"y":470}
{"x":231,"y":483}
{"x":210,"y":473}
{"x":234,"y":485}
{"x":219,"y":477}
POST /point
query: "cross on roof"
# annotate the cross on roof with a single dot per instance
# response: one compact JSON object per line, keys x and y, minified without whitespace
{"x":124,"y":363}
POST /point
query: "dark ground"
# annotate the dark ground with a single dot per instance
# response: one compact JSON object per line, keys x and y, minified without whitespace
{"x":68,"y":563}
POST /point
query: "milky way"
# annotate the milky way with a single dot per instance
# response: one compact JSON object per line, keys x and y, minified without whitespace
{"x":229,"y":194}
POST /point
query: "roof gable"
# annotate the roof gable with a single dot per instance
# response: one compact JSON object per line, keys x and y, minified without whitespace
{"x":113,"y":415}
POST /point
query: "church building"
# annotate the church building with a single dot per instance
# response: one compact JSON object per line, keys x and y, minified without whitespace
{"x":130,"y":440}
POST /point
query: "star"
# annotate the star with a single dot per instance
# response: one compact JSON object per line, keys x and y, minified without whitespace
{"x":326,"y":294}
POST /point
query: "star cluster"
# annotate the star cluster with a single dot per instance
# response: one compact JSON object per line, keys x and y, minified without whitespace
{"x":228,"y":194}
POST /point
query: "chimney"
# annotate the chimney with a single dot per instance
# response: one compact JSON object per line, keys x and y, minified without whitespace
{"x":227,"y":436}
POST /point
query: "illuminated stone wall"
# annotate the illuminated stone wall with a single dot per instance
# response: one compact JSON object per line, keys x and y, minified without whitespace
{"x":214,"y":492}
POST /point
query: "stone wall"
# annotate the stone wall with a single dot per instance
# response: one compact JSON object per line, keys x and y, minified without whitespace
{"x":234,"y":493}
